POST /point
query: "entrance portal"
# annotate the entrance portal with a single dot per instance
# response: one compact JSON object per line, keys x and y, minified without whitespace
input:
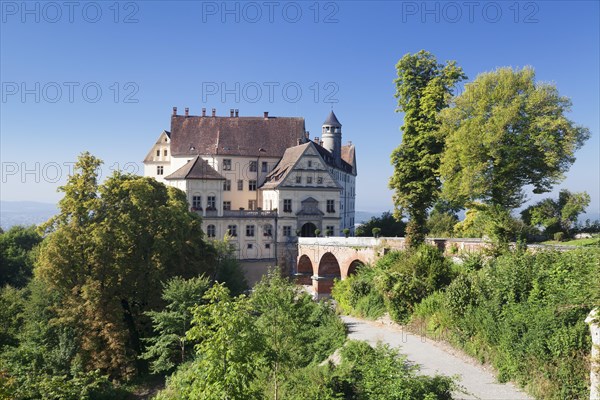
{"x":308,"y":230}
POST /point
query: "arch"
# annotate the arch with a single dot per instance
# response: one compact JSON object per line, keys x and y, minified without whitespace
{"x":329,"y":266}
{"x":305,"y":270}
{"x":305,"y":265}
{"x":354,"y":265}
{"x":308,"y":230}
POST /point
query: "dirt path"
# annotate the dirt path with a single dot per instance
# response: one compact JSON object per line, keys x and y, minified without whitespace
{"x":434,"y":357}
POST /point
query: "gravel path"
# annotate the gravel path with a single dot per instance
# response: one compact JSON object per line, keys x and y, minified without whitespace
{"x":435,"y":357}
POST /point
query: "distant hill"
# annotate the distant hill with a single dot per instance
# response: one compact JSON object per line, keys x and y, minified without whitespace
{"x":25,"y":213}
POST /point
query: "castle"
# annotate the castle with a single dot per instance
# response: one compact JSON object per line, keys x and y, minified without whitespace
{"x":261,"y":180}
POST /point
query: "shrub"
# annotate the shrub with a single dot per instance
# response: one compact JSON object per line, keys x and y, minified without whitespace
{"x":415,"y":275}
{"x":559,"y":236}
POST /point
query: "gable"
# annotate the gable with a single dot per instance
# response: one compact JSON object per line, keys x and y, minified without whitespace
{"x":162,"y":143}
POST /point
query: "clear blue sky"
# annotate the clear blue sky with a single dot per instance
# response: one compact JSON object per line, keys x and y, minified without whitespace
{"x":180,"y":53}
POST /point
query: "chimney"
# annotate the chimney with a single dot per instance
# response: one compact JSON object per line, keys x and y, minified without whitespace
{"x":203,"y":112}
{"x":266,"y":114}
{"x":316,"y":139}
{"x":231,"y":113}
{"x":174,"y":110}
{"x":214,"y":112}
{"x":237,"y":113}
{"x":299,"y":142}
{"x":187,"y":111}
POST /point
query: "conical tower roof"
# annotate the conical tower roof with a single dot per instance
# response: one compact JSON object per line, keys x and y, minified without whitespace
{"x":332,"y":120}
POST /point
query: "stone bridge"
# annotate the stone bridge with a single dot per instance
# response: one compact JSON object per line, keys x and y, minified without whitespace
{"x":322,"y":260}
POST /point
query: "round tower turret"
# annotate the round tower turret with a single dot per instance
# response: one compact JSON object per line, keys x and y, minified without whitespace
{"x":332,"y":136}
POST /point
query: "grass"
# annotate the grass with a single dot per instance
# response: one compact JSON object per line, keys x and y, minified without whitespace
{"x":595,"y":241}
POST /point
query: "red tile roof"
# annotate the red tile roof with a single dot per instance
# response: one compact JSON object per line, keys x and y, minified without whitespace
{"x":197,"y":168}
{"x":239,"y":136}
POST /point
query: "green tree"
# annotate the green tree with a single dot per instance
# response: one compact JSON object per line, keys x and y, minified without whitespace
{"x":389,"y":226}
{"x":106,"y":254}
{"x":228,"y":269}
{"x":296,"y":330}
{"x":228,"y":349}
{"x":17,"y":255}
{"x":504,"y":132}
{"x":557,"y":215}
{"x":170,"y":347}
{"x":423,"y":88}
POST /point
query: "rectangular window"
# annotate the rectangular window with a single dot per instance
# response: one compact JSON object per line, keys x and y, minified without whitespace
{"x":298,"y":179}
{"x":253,"y":166}
{"x":197,"y":202}
{"x":252,"y":185}
{"x":160,"y":170}
{"x":226,"y":205}
{"x":329,"y":230}
{"x":287,"y":230}
{"x":157,"y":153}
{"x":232,"y":230}
{"x":227,"y":164}
{"x":165,"y":153}
{"x":330,"y":206}
{"x":240,"y":184}
{"x":211,"y":231}
{"x":211,"y":203}
{"x":249,"y":230}
{"x":227,"y":185}
{"x":309,"y":179}
{"x":249,"y":245}
{"x":320,"y":180}
{"x":265,"y":166}
{"x":287,"y":205}
{"x":268,"y":230}
{"x":309,"y":164}
{"x":251,"y":204}
{"x":267,"y":245}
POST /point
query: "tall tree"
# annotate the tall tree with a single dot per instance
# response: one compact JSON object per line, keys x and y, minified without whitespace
{"x":228,"y":350}
{"x":423,"y":88}
{"x":107,"y":253}
{"x":504,"y":132}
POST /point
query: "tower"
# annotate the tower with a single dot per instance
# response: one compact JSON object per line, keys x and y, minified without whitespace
{"x":332,"y":136}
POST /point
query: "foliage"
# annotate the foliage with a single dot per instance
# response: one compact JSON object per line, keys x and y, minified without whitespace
{"x":557,"y":215}
{"x":17,"y":255}
{"x":524,"y":313}
{"x":416,"y":274}
{"x":381,"y":373}
{"x":228,"y":343}
{"x":504,"y":132}
{"x":357,"y":294}
{"x":105,"y":256}
{"x":423,"y":88}
{"x":346,"y":232}
{"x":441,"y":224}
{"x":397,"y":282}
{"x":169,"y":347}
{"x":387,"y":224}
{"x":249,"y":347}
{"x":228,"y":269}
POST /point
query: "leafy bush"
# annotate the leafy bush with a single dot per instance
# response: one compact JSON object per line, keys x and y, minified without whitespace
{"x":415,"y":275}
{"x":357,"y":294}
{"x":559,"y":236}
{"x":525,"y":314}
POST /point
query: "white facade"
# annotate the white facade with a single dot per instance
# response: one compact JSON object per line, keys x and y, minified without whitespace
{"x":260,"y":201}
